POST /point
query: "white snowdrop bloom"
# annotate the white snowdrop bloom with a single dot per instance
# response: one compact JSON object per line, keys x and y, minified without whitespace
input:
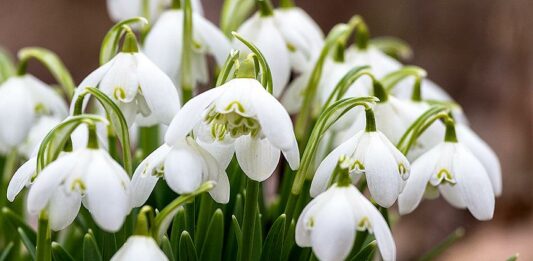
{"x":88,"y":175}
{"x":382,"y":64}
{"x":37,"y":133}
{"x":329,"y":224}
{"x":139,"y":248}
{"x":262,"y":32}
{"x":302,"y":35}
{"x":137,"y":86}
{"x":184,"y":166}
{"x":243,"y":114}
{"x":124,"y":9}
{"x":386,"y":169}
{"x":23,"y":101}
{"x":457,"y":173}
{"x":164,"y":44}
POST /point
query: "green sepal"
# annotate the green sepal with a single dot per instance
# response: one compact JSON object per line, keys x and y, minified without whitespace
{"x":91,"y":251}
{"x":52,"y":62}
{"x":116,"y":118}
{"x":60,"y":254}
{"x":214,"y":239}
{"x":110,"y":44}
{"x":7,"y":67}
{"x":393,"y":47}
{"x":187,"y":251}
{"x":166,"y":247}
{"x":18,"y":223}
{"x":272,"y":248}
{"x":367,"y":253}
{"x":28,"y":244}
{"x":266,"y":74}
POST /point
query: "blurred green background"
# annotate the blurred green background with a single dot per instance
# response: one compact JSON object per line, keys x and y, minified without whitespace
{"x":481,"y":52}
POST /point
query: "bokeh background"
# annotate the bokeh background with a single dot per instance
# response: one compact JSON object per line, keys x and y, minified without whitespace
{"x":481,"y":52}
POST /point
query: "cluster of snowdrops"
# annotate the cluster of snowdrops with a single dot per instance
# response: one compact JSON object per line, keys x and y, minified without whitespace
{"x":173,"y":145}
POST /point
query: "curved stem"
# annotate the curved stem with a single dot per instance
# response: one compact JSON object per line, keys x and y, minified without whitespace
{"x":265,"y":8}
{"x":286,"y":4}
{"x":266,"y":74}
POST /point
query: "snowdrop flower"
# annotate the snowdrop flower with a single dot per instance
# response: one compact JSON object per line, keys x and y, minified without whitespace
{"x":329,"y":224}
{"x":164,"y":44}
{"x":302,"y":35}
{"x":242,"y":116}
{"x":87,"y":175}
{"x":139,"y":248}
{"x":136,"y":85}
{"x":37,"y":133}
{"x":458,"y":174}
{"x":185,"y":166}
{"x":386,"y":169}
{"x":23,"y":101}
{"x":124,"y":9}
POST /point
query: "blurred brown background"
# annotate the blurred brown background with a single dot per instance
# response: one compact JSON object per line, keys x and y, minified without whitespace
{"x":479,"y":51}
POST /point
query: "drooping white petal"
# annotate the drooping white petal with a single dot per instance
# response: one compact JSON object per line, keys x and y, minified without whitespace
{"x":257,"y":157}
{"x":304,"y":226}
{"x":215,"y":172}
{"x":16,"y":109}
{"x":106,"y":193}
{"x":92,"y":80}
{"x":144,"y":179}
{"x":49,"y":179}
{"x":159,"y":93}
{"x":40,"y":129}
{"x":322,"y":177}
{"x":334,"y":227}
{"x":45,"y":96}
{"x":474,"y":184}
{"x":484,"y":153}
{"x":189,"y":115}
{"x":453,"y":195}
{"x":213,"y":39}
{"x":139,"y":248}
{"x":223,"y":153}
{"x":262,"y":32}
{"x":241,"y":91}
{"x":120,"y":83}
{"x":63,"y":208}
{"x":21,"y":178}
{"x":293,"y":98}
{"x":183,"y":169}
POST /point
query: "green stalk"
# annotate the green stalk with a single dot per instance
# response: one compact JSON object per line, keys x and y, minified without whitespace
{"x":444,"y":245}
{"x":286,"y":4}
{"x":148,"y":139}
{"x":44,"y":236}
{"x":187,"y":81}
{"x":249,"y":219}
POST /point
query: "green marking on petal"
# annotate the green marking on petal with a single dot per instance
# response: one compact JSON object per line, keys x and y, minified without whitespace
{"x":291,"y":48}
{"x":119,"y":93}
{"x":444,"y":176}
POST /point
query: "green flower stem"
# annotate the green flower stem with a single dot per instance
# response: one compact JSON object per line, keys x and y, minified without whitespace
{"x":232,"y":59}
{"x":393,"y":47}
{"x":234,"y":12}
{"x":391,"y":80}
{"x":286,"y":4}
{"x":7,"y":67}
{"x":370,"y":120}
{"x":111,"y":41}
{"x":265,"y":8}
{"x":130,"y":42}
{"x":176,"y":4}
{"x":444,"y":245}
{"x":248,"y":223}
{"x":92,"y":142}
{"x":338,"y":52}
{"x":450,"y":135}
{"x":44,"y":236}
{"x":266,"y":75}
{"x":148,"y":139}
{"x":144,"y":223}
{"x":187,"y":81}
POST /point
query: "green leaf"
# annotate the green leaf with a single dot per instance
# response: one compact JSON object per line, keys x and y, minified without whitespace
{"x":513,"y":257}
{"x":60,"y":254}
{"x":366,"y":253}
{"x":7,"y":67}
{"x":90,"y":248}
{"x":214,"y":239}
{"x":187,"y":251}
{"x":18,"y":223}
{"x":112,"y":38}
{"x":6,"y":251}
{"x":53,"y":63}
{"x":118,"y":122}
{"x":167,"y":248}
{"x":179,"y":224}
{"x":274,"y":240}
{"x":444,"y":245}
{"x":288,"y":243}
{"x":30,"y":246}
{"x":204,"y":214}
{"x":257,"y":245}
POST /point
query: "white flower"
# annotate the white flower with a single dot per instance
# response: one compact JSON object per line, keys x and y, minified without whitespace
{"x":262,"y":32}
{"x":164,"y":44}
{"x":139,"y":248}
{"x":302,"y":35}
{"x":330,"y":221}
{"x":185,"y":166}
{"x":88,"y":175}
{"x":138,"y":87}
{"x":124,"y":9}
{"x":241,"y":113}
{"x":23,"y":100}
{"x":373,"y":155}
{"x":459,"y":175}
{"x":37,"y":133}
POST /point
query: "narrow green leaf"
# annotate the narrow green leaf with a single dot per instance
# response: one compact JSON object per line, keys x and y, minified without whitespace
{"x":18,"y":223}
{"x":7,"y":67}
{"x":274,"y":240}
{"x":444,"y":245}
{"x":288,"y":243}
{"x":53,"y":63}
{"x":179,"y":224}
{"x":514,"y":257}
{"x":90,"y":248}
{"x":367,"y":253}
{"x":111,"y":40}
{"x":257,"y":245}
{"x":167,"y":248}
{"x":237,"y":230}
{"x":204,"y":219}
{"x":30,"y":246}
{"x":60,"y":254}
{"x":187,"y":250}
{"x":214,"y":239}
{"x":234,"y":12}
{"x":6,"y":251}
